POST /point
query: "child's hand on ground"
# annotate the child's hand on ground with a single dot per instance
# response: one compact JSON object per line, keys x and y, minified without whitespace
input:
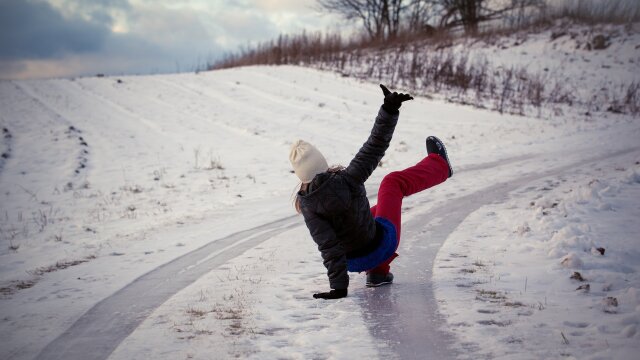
{"x":333,"y":294}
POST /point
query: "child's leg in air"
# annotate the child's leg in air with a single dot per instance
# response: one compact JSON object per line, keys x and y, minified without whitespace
{"x":431,"y":171}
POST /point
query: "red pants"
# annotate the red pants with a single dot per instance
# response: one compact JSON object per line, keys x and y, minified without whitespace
{"x":429,"y":172}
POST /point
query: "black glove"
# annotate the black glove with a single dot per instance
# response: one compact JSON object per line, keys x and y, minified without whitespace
{"x":392,"y":101}
{"x":333,"y":294}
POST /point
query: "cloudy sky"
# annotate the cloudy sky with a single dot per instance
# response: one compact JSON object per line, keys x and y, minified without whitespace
{"x":52,"y":38}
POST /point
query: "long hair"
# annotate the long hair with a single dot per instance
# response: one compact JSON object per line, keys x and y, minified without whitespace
{"x":304,"y":187}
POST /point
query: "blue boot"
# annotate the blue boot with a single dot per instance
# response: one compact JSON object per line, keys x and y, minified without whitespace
{"x":434,"y":145}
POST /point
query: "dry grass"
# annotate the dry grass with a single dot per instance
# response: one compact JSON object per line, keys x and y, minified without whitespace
{"x":191,"y":311}
{"x":14,"y":286}
{"x":595,"y":11}
{"x":60,"y":265}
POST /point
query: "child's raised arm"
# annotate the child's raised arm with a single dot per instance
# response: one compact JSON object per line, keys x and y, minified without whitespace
{"x":370,"y":154}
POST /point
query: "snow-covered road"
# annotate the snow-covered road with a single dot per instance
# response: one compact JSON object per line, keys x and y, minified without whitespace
{"x":404,"y":316}
{"x":152,"y":215}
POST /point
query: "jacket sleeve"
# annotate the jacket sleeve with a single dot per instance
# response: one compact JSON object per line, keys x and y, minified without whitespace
{"x":333,"y":254}
{"x":370,"y":154}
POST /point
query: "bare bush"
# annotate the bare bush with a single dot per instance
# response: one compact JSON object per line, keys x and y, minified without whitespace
{"x":594,"y":11}
{"x":196,"y":156}
{"x":632,"y":98}
{"x":214,"y":162}
{"x":9,"y":234}
{"x":45,"y":217}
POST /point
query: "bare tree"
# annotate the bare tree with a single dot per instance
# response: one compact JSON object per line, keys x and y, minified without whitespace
{"x":384,"y":19}
{"x":419,"y":13}
{"x":470,"y":13}
{"x":381,"y":18}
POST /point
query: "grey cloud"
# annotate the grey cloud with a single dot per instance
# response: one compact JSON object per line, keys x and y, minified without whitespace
{"x":101,"y":17}
{"x":246,"y":25}
{"x":99,"y":11}
{"x":10,"y":67}
{"x":158,"y":35}
{"x":159,"y":41}
{"x":35,"y":30}
{"x":120,"y":4}
{"x":165,"y":37}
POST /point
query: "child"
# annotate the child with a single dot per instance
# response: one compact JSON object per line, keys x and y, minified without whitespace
{"x":350,"y":235}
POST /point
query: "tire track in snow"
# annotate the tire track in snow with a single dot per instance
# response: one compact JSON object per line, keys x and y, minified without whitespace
{"x":300,"y":92}
{"x":221,"y":127}
{"x":227,"y":123}
{"x":98,"y":332}
{"x":266,"y":113}
{"x":63,"y":125}
{"x":119,"y":108}
{"x":412,"y":321}
{"x":405,"y":316}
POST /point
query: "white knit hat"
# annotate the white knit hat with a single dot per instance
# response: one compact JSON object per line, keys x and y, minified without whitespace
{"x":307,"y":161}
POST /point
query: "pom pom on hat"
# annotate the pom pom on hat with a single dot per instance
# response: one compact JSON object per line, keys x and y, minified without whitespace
{"x":307,"y":161}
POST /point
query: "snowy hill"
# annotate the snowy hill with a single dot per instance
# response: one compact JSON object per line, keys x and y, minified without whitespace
{"x":541,"y":71}
{"x":107,"y":179}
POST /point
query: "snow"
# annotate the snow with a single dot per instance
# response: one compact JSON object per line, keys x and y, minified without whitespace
{"x":256,"y":306}
{"x":528,"y":271}
{"x":107,"y":179}
{"x":561,"y":53}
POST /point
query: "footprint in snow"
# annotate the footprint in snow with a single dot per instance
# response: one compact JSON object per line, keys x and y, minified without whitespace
{"x":464,"y":285}
{"x":487,"y":311}
{"x":580,"y":325}
{"x":281,"y":344}
{"x":494,"y":322}
{"x":303,"y":317}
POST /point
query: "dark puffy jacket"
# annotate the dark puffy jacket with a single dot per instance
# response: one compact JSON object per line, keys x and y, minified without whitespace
{"x":336,"y":208}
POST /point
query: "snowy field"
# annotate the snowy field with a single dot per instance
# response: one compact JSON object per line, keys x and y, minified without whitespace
{"x":105,"y":180}
{"x":551,"y":272}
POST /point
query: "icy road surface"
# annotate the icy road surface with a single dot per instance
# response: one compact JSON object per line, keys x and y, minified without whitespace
{"x":151,"y":217}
